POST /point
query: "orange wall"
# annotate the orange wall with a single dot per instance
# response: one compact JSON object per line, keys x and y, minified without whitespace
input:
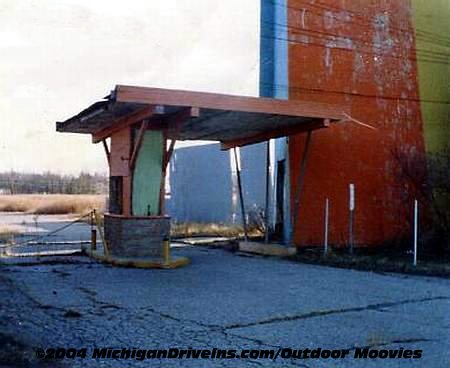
{"x":371,"y":68}
{"x":119,"y":165}
{"x":120,"y":153}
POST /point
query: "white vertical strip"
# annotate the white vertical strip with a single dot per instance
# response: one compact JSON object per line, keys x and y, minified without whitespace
{"x":416,"y":225}
{"x":325,"y":241}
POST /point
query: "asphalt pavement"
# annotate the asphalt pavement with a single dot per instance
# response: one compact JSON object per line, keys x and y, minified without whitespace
{"x":223,"y":300}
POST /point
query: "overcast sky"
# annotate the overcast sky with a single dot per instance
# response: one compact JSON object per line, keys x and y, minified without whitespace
{"x":59,"y":56}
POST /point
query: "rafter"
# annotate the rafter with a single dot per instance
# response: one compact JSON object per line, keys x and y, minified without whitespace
{"x":258,"y":138}
{"x":107,"y":152}
{"x":122,"y":123}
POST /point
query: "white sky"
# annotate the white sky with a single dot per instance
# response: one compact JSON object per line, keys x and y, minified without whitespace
{"x":59,"y":56}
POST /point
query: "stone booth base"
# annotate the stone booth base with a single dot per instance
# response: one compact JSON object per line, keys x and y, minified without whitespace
{"x":132,"y":236}
{"x":138,"y":241}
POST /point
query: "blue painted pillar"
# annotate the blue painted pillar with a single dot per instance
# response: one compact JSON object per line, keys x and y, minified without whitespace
{"x":274,"y":82}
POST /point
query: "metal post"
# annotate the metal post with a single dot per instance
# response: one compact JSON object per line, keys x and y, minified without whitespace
{"x":416,"y":225}
{"x":102,"y":236}
{"x":241,"y":196}
{"x":93,"y":233}
{"x":325,"y":241}
{"x":351,"y":216}
{"x":266,"y":217}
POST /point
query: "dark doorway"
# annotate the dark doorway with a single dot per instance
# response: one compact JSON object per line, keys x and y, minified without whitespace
{"x":281,"y":169}
{"x":115,"y":194}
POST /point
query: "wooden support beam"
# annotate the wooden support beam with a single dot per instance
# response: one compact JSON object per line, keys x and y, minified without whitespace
{"x":166,"y":159}
{"x":138,"y":143}
{"x":122,"y":123}
{"x":162,"y":185}
{"x":108,"y":154}
{"x":300,"y":180}
{"x":241,"y":195}
{"x":173,"y":123}
{"x":258,"y":138}
{"x":168,"y":154}
{"x":266,"y":209}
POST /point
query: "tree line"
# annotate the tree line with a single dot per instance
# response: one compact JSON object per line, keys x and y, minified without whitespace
{"x":51,"y":183}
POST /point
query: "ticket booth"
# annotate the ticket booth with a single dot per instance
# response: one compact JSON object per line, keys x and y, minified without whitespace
{"x":138,"y":128}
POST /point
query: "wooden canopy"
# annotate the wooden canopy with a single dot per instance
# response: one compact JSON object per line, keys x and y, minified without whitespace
{"x":186,"y":115}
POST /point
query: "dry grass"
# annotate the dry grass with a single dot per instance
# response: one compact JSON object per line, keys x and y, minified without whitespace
{"x":52,"y":204}
{"x":189,"y":229}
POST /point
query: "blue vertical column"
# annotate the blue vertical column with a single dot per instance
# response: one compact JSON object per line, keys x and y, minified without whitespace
{"x":267,"y":49}
{"x":274,"y":82}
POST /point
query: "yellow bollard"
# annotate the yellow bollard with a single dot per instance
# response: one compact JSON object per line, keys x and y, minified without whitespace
{"x":102,"y":236}
{"x":166,"y":251}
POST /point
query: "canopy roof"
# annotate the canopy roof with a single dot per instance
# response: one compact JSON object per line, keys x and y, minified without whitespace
{"x":187,"y":115}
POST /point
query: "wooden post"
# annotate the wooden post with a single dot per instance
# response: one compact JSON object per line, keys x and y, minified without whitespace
{"x":300,"y":180}
{"x":175,"y":122}
{"x":137,"y":144}
{"x":266,"y":213}
{"x":108,"y":155}
{"x":241,"y":196}
{"x":162,"y":186}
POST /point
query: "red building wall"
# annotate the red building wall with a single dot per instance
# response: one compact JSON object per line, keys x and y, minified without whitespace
{"x":360,"y":54}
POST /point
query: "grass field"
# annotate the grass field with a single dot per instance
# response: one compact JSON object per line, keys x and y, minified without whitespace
{"x":189,"y":229}
{"x":54,"y":204}
{"x":62,"y":204}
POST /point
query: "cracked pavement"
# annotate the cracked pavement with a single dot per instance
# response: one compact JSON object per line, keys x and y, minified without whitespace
{"x":224,"y":300}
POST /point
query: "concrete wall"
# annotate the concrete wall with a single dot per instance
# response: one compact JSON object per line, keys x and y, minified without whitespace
{"x":253,"y":176}
{"x":365,"y":56}
{"x":357,"y":56}
{"x":203,"y":186}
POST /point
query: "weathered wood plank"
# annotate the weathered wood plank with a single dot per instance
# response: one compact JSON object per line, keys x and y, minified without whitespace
{"x":159,"y":96}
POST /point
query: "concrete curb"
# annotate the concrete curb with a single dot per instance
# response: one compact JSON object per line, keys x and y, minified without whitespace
{"x":271,"y":249}
{"x":174,"y":262}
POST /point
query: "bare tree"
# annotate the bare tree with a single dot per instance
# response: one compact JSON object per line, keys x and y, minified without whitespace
{"x":428,"y":177}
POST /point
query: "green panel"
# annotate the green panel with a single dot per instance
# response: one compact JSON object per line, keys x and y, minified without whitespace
{"x":147,"y":174}
{"x":432,"y":31}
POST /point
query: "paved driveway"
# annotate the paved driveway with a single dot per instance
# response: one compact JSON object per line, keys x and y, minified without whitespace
{"x":225,"y":300}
